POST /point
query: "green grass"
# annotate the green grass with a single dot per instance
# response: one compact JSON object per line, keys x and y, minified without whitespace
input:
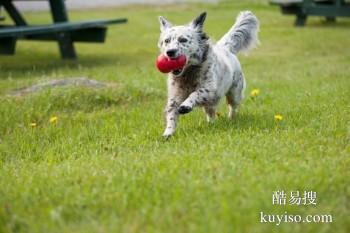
{"x":105,"y":168}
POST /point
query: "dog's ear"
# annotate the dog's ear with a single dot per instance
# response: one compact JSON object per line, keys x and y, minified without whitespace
{"x":198,"y":22}
{"x":164,"y":23}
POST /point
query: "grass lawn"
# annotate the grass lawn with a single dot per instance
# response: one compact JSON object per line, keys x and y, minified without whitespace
{"x":104,"y":167}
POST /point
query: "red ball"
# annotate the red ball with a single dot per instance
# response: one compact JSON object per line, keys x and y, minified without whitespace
{"x":166,"y":65}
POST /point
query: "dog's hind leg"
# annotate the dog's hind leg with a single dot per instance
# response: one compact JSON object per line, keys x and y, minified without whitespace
{"x":235,"y":94}
{"x":210,"y":111}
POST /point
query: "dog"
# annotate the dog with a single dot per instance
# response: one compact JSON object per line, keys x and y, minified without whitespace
{"x":212,"y":70}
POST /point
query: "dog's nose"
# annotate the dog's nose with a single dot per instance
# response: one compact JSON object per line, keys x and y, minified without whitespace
{"x":171,"y":53}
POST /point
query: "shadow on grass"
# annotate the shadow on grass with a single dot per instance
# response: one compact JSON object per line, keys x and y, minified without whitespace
{"x":17,"y":65}
{"x":326,"y":24}
{"x":242,"y":123}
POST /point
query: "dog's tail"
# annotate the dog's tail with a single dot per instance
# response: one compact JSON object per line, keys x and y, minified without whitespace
{"x":243,"y":36}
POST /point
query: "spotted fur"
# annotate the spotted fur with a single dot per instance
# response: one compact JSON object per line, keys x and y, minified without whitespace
{"x":212,"y":70}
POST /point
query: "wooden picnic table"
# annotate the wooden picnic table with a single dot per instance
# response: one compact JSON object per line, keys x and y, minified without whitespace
{"x":330,"y":9}
{"x":61,"y":30}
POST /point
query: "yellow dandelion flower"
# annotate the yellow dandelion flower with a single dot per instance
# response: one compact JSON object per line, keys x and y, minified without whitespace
{"x":254,"y":92}
{"x":278,"y":117}
{"x":53,"y":119}
{"x":33,"y":124}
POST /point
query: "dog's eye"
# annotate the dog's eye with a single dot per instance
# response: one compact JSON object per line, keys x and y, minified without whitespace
{"x":182,"y":40}
{"x":167,"y":40}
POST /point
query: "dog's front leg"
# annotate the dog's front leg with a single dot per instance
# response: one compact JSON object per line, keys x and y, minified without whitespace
{"x":198,"y":97}
{"x":171,"y":115}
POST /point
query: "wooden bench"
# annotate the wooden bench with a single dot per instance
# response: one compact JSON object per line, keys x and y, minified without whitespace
{"x":330,"y":9}
{"x":62,"y":31}
{"x":88,"y":31}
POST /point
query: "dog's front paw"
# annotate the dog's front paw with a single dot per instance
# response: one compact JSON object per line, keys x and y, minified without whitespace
{"x":167,"y":134}
{"x":183,"y":109}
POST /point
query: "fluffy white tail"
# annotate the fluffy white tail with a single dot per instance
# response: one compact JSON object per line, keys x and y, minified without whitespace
{"x":243,"y":35}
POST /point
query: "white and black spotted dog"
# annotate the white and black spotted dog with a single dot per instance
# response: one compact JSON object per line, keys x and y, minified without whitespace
{"x":211,"y":71}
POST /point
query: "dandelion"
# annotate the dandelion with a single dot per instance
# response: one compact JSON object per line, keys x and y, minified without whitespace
{"x":278,"y":117}
{"x":33,"y":124}
{"x":53,"y":120}
{"x":254,"y":93}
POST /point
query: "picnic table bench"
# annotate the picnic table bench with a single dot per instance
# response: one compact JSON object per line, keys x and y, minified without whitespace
{"x":304,"y":8}
{"x":61,"y":30}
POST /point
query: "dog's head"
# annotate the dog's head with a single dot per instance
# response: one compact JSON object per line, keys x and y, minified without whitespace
{"x":188,"y":40}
